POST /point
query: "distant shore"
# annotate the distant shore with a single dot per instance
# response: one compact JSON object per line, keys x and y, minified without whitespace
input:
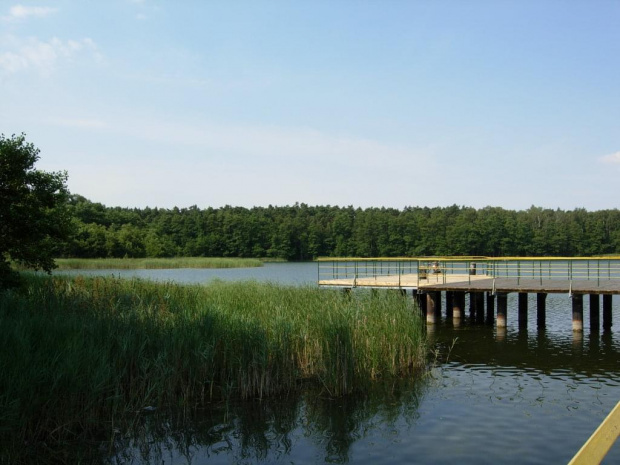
{"x":155,"y":263}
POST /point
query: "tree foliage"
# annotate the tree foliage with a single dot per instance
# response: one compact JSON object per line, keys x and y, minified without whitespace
{"x":302,"y":232}
{"x":33,"y":213}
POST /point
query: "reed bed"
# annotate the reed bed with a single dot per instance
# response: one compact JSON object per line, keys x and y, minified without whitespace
{"x":155,"y":263}
{"x":83,"y":357}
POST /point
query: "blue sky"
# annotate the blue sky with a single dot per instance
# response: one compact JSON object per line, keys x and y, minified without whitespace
{"x":363,"y":103}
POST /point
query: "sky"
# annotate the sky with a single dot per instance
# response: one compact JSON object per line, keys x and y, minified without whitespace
{"x":366,"y":103}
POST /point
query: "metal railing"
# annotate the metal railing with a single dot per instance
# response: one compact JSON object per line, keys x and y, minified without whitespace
{"x":338,"y":271}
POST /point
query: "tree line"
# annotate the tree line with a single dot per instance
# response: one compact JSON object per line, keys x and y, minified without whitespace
{"x":303,"y":232}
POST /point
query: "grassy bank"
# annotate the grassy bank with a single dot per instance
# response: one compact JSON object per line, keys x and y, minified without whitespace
{"x":83,"y":357}
{"x":155,"y":263}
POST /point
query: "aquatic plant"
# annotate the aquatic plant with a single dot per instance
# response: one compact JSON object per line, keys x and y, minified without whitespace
{"x":84,"y":357}
{"x":156,"y":263}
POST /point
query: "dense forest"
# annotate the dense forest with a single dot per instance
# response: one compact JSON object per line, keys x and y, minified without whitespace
{"x":302,"y":232}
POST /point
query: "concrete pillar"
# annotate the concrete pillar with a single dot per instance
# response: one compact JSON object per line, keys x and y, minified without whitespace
{"x":479,"y":307}
{"x":458,"y":305}
{"x":577,"y":312}
{"x":607,"y":303}
{"x":490,"y":308}
{"x":523,"y":308}
{"x":502,"y":309}
{"x":432,"y":305}
{"x":420,"y":300}
{"x":595,"y":319}
{"x":449,"y":304}
{"x":541,"y":309}
{"x":472,"y":306}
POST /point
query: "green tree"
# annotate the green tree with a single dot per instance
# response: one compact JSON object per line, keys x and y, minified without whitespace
{"x":33,"y":213}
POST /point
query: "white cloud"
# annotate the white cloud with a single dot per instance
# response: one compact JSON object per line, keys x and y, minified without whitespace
{"x":611,"y":159}
{"x":34,"y":54}
{"x":22,"y":12}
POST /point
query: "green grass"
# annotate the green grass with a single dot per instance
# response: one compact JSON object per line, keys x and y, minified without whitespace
{"x":155,"y":263}
{"x":83,"y":356}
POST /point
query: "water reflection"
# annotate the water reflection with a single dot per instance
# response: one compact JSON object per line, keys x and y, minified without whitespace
{"x":590,"y":354}
{"x":322,"y":430}
{"x":247,"y":431}
{"x":548,"y":389}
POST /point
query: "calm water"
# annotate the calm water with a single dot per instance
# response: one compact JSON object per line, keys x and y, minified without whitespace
{"x":527,"y":395}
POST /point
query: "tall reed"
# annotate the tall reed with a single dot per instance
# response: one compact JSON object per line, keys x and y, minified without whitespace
{"x":83,"y":357}
{"x":156,"y":263}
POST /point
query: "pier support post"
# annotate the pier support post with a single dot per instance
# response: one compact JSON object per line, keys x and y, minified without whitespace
{"x":595,"y":305}
{"x":490,"y":308}
{"x":502,"y":309}
{"x":479,"y":307}
{"x":449,"y":304}
{"x":433,"y":306}
{"x":523,"y":308}
{"x":420,"y":300}
{"x":541,"y":309}
{"x":607,"y":311}
{"x":458,"y":308}
{"x":472,"y":306}
{"x":577,"y":312}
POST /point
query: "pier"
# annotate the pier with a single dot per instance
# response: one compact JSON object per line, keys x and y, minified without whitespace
{"x":487,"y":280}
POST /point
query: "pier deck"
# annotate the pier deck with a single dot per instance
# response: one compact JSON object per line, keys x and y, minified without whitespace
{"x":477,"y":283}
{"x":583,"y":275}
{"x":428,"y":277}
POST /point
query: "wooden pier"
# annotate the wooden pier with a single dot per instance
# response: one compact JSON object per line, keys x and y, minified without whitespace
{"x":485,"y":279}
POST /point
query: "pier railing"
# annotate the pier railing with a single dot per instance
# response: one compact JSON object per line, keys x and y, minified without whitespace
{"x":413,"y":271}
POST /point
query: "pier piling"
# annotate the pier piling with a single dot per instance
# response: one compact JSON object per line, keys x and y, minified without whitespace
{"x":458,"y":307}
{"x":449,"y":304}
{"x":479,"y":307}
{"x":607,"y":305}
{"x":421,"y":299}
{"x":502,"y":309}
{"x":523,"y":308}
{"x":490,"y":308}
{"x":577,"y":300}
{"x":541,"y":309}
{"x":433,"y":306}
{"x":595,"y":321}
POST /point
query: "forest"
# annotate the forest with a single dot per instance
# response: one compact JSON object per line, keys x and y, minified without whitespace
{"x":303,"y":232}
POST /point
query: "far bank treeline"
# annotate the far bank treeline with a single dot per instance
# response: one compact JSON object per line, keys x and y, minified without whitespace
{"x":302,"y":232}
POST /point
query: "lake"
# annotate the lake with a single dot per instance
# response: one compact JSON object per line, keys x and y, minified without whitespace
{"x":526,"y":395}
